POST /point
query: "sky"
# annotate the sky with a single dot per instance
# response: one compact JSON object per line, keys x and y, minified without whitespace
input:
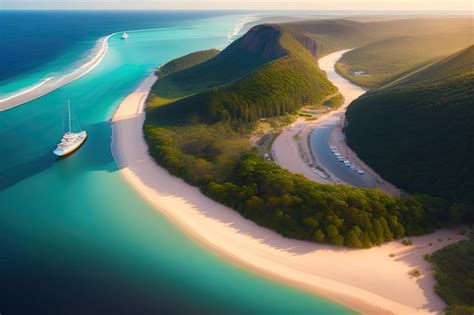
{"x":443,"y":5}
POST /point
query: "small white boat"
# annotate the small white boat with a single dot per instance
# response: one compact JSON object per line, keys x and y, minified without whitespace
{"x":361,"y":172}
{"x":124,"y":35}
{"x":71,"y":141}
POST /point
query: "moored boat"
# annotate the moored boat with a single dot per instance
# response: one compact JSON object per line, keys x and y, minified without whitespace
{"x":71,"y":141}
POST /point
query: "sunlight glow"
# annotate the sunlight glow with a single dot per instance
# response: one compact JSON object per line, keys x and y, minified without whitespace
{"x":464,"y":5}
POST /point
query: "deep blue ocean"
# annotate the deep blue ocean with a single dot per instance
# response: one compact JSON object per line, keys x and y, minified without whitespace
{"x":74,"y":237}
{"x":31,"y":39}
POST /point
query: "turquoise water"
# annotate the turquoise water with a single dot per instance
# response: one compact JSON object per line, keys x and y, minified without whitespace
{"x":76,"y":239}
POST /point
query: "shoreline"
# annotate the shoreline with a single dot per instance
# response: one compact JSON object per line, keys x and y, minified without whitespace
{"x":296,"y":164}
{"x":366,"y":280}
{"x":135,"y":115}
{"x":248,"y":20}
{"x":50,"y":84}
{"x":293,"y":154}
{"x":338,"y":139}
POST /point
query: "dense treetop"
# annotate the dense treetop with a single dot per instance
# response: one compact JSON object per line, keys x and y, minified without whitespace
{"x":186,"y":61}
{"x":455,"y":276}
{"x":218,"y":160}
{"x":384,"y":61}
{"x":265,"y":73}
{"x":201,"y":135}
{"x":418,"y":132}
{"x":239,"y":58}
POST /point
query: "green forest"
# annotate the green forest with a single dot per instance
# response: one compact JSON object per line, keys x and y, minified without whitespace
{"x":224,"y":168}
{"x":418,"y":132}
{"x":186,"y":61}
{"x":384,"y":61}
{"x":455,"y":276}
{"x":203,"y":138}
{"x":275,"y":88}
{"x":415,"y":129}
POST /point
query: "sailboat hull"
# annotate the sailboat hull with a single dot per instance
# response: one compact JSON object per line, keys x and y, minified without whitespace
{"x":66,"y":150}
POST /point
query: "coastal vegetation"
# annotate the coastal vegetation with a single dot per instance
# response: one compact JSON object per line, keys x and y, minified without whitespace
{"x":186,"y":61}
{"x":237,"y":60}
{"x":381,"y":62}
{"x":217,"y":160}
{"x":203,"y":137}
{"x":171,"y":91}
{"x":334,"y":101}
{"x":455,"y":276}
{"x":272,"y":70}
{"x":328,"y":35}
{"x":418,"y":133}
{"x":288,"y":79}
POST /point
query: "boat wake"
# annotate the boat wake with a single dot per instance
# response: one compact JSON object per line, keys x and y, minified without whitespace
{"x":52,"y":83}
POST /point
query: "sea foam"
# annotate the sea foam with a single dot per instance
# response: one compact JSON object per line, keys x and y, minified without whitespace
{"x":52,"y":83}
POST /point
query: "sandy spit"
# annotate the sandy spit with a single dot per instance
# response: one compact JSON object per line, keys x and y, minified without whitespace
{"x":367,"y":280}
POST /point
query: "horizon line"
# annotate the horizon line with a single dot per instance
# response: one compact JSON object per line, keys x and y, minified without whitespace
{"x":469,"y":12}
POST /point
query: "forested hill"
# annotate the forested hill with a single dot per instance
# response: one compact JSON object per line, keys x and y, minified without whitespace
{"x":418,"y":132}
{"x":186,"y":61}
{"x":200,"y":118}
{"x":337,"y":34}
{"x":204,"y":70}
{"x":384,"y":61}
{"x":385,"y":51}
{"x":455,"y":66}
{"x":265,"y":73}
{"x":273,"y":69}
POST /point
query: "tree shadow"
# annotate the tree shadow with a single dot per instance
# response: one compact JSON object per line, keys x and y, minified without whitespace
{"x":414,"y":257}
{"x":131,"y":153}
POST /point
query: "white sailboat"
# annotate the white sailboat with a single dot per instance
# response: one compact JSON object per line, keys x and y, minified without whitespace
{"x":124,"y":35}
{"x":71,"y":141}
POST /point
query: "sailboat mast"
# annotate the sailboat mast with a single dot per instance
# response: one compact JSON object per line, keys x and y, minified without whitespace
{"x":69,"y":113}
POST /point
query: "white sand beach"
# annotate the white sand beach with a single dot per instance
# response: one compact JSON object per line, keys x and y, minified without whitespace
{"x":367,"y":280}
{"x":52,"y":83}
